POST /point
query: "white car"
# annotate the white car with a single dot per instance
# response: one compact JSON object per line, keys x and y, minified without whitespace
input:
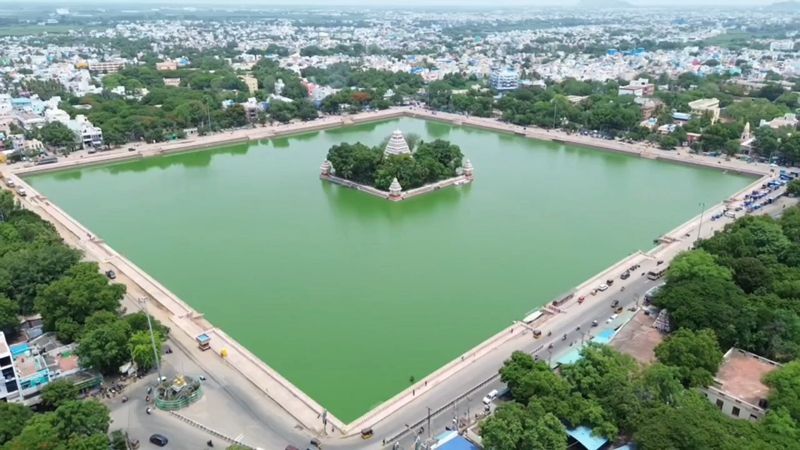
{"x":603,"y":287}
{"x":490,"y":397}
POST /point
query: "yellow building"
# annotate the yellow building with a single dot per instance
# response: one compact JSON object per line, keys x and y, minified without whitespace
{"x":708,"y":106}
{"x":251,"y":82}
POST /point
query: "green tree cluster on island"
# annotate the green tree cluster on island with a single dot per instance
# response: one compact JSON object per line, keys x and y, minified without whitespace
{"x":431,"y":162}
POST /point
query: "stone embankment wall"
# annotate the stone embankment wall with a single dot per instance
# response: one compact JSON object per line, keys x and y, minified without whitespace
{"x":405,"y":195}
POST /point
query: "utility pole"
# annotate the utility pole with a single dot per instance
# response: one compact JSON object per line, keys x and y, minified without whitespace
{"x":700,"y":225}
{"x":143,"y":305}
{"x":429,"y":423}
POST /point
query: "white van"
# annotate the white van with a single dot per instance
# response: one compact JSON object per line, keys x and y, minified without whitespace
{"x":490,"y":397}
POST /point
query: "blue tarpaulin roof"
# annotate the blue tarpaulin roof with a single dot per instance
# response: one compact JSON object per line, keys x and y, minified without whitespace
{"x":604,"y":337}
{"x":459,"y":443}
{"x":586,"y":438}
{"x":570,"y":358}
{"x":19,"y":349}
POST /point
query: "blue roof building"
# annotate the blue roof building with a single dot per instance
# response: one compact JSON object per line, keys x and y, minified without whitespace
{"x":452,"y":441}
{"x":583,"y":435}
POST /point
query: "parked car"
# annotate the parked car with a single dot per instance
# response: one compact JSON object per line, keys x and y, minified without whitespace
{"x":615,"y":303}
{"x":490,"y":397}
{"x":625,"y":275}
{"x":22,"y":192}
{"x":603,"y":287}
{"x":111,"y":274}
{"x":159,"y":440}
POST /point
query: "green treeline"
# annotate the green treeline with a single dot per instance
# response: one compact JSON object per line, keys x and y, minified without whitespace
{"x":431,"y":162}
{"x":39,"y":273}
{"x":739,"y":288}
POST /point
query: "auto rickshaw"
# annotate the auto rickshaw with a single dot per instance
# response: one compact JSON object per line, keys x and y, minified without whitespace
{"x":366,"y":433}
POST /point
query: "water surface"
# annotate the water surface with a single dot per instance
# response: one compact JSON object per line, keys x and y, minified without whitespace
{"x":348,"y":295}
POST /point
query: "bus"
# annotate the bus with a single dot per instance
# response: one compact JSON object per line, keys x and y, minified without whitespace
{"x":656,"y":274}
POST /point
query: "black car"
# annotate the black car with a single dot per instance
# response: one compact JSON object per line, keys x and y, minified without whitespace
{"x":615,"y":303}
{"x":159,"y":440}
{"x":625,"y":275}
{"x":111,"y":274}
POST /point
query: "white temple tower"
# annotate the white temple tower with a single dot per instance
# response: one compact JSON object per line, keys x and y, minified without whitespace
{"x":397,"y":145}
{"x":395,"y":190}
{"x":326,"y":168}
{"x":468,"y":169}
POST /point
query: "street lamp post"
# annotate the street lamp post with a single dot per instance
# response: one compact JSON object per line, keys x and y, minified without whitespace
{"x":143,"y":305}
{"x":702,"y":206}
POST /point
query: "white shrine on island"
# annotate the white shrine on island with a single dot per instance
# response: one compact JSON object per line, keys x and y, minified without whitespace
{"x":398,"y":146}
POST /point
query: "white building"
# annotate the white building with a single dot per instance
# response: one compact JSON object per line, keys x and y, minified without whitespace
{"x":738,"y":390}
{"x":88,"y":135}
{"x":9,"y":388}
{"x":504,"y":80}
{"x":786,"y":120}
{"x":781,"y":46}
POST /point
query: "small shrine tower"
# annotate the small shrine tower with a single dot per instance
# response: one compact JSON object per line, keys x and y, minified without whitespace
{"x":395,"y":190}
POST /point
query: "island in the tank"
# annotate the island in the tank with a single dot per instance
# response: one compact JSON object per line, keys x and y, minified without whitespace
{"x":397,"y":171}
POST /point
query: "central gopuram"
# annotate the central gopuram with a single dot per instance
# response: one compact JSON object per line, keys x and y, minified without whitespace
{"x":397,"y":146}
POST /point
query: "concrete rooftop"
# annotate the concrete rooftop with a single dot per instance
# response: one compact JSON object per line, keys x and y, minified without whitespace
{"x":741,"y":373}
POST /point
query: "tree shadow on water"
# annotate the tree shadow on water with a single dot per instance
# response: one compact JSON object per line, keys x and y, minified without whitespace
{"x":371,"y":210}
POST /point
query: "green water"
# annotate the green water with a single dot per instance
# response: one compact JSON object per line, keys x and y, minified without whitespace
{"x":348,"y":295}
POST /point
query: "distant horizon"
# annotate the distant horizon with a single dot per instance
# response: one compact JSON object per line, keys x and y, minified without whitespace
{"x":409,"y":4}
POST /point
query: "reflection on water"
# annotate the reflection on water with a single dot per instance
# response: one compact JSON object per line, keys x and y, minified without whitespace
{"x":310,"y":136}
{"x":371,"y":210}
{"x":281,"y":142}
{"x":360,"y":128}
{"x":68,"y":175}
{"x":437,"y":130}
{"x":190,"y":160}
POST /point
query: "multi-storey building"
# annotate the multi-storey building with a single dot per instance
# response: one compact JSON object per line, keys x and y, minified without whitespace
{"x":504,"y":80}
{"x":9,"y":388}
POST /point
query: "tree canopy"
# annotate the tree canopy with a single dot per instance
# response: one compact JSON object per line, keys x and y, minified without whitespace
{"x":431,"y":162}
{"x":742,"y":284}
{"x":695,"y":354}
